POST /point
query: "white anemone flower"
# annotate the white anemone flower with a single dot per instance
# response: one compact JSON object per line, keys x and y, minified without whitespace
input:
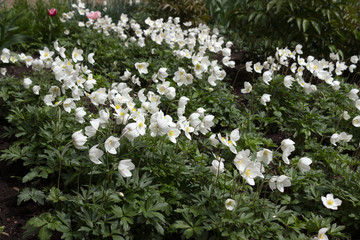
{"x":36,"y":89}
{"x":265,"y":156}
{"x":77,"y":55}
{"x":27,"y":82}
{"x":353,"y":94}
{"x":265,"y":98}
{"x":125,"y":166}
{"x":111,"y":144}
{"x":356,"y":121}
{"x":304,"y":164}
{"x":79,"y":139}
{"x":251,"y":171}
{"x":242,"y":159}
{"x":279,"y":182}
{"x":287,"y":146}
{"x":142,"y":67}
{"x":322,"y":235}
{"x":91,"y":58}
{"x":217,"y":166}
{"x":330,"y":202}
{"x":95,"y":154}
{"x":247,"y":88}
{"x":230,"y":204}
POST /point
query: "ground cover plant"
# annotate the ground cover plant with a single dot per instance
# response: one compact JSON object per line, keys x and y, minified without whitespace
{"x":129,"y":130}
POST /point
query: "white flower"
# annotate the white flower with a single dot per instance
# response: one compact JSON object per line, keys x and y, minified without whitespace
{"x":79,"y":114}
{"x":36,"y":89}
{"x":242,"y":159}
{"x":287,"y":146}
{"x":258,"y":67}
{"x":27,"y":83}
{"x":288,"y":81}
{"x":354,"y":59}
{"x":353,"y":94}
{"x":304,"y":164}
{"x":230,"y":204}
{"x":264,"y":156}
{"x":79,"y":139}
{"x":69,"y":104}
{"x":217,"y":165}
{"x":248,"y":66}
{"x":77,"y":55}
{"x":111,"y":144}
{"x":251,"y":171}
{"x":142,"y":67}
{"x":330,"y":202}
{"x":279,"y":182}
{"x":247,"y":88}
{"x":267,"y":77}
{"x":346,"y":115}
{"x":321,"y":234}
{"x":356,"y":121}
{"x":125,"y":166}
{"x":3,"y":71}
{"x":91,"y":58}
{"x":213,"y":141}
{"x":95,"y":154}
{"x":265,"y":98}
{"x":298,"y":49}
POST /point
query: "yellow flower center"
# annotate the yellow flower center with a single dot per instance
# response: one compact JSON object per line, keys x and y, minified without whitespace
{"x":248,"y":172}
{"x":330,"y":202}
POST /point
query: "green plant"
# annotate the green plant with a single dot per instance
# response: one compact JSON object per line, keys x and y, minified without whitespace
{"x":8,"y":30}
{"x":187,"y":10}
{"x":321,"y":26}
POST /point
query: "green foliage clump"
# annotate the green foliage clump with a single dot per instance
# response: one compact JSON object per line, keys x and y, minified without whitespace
{"x":321,"y":26}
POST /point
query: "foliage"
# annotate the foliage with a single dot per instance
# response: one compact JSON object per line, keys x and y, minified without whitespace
{"x":35,"y":22}
{"x":321,"y":26}
{"x":8,"y":34}
{"x":187,"y":10}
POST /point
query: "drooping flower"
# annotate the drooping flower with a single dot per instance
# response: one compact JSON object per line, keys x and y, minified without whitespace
{"x":95,"y":154}
{"x":265,"y":98}
{"x":265,"y":156}
{"x":330,"y":202}
{"x":125,"y":166}
{"x":304,"y":164}
{"x":36,"y":89}
{"x":287,"y":146}
{"x":217,"y":165}
{"x":230,"y":204}
{"x":91,"y":58}
{"x":247,"y":88}
{"x":27,"y":82}
{"x":79,"y":139}
{"x":279,"y":182}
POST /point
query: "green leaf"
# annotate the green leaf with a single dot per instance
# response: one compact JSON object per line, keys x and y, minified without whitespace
{"x":305,"y":24}
{"x":44,"y":233}
{"x":298,"y":22}
{"x":316,"y":26}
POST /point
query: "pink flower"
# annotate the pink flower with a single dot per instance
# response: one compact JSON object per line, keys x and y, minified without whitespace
{"x":52,"y":12}
{"x":94,"y":15}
